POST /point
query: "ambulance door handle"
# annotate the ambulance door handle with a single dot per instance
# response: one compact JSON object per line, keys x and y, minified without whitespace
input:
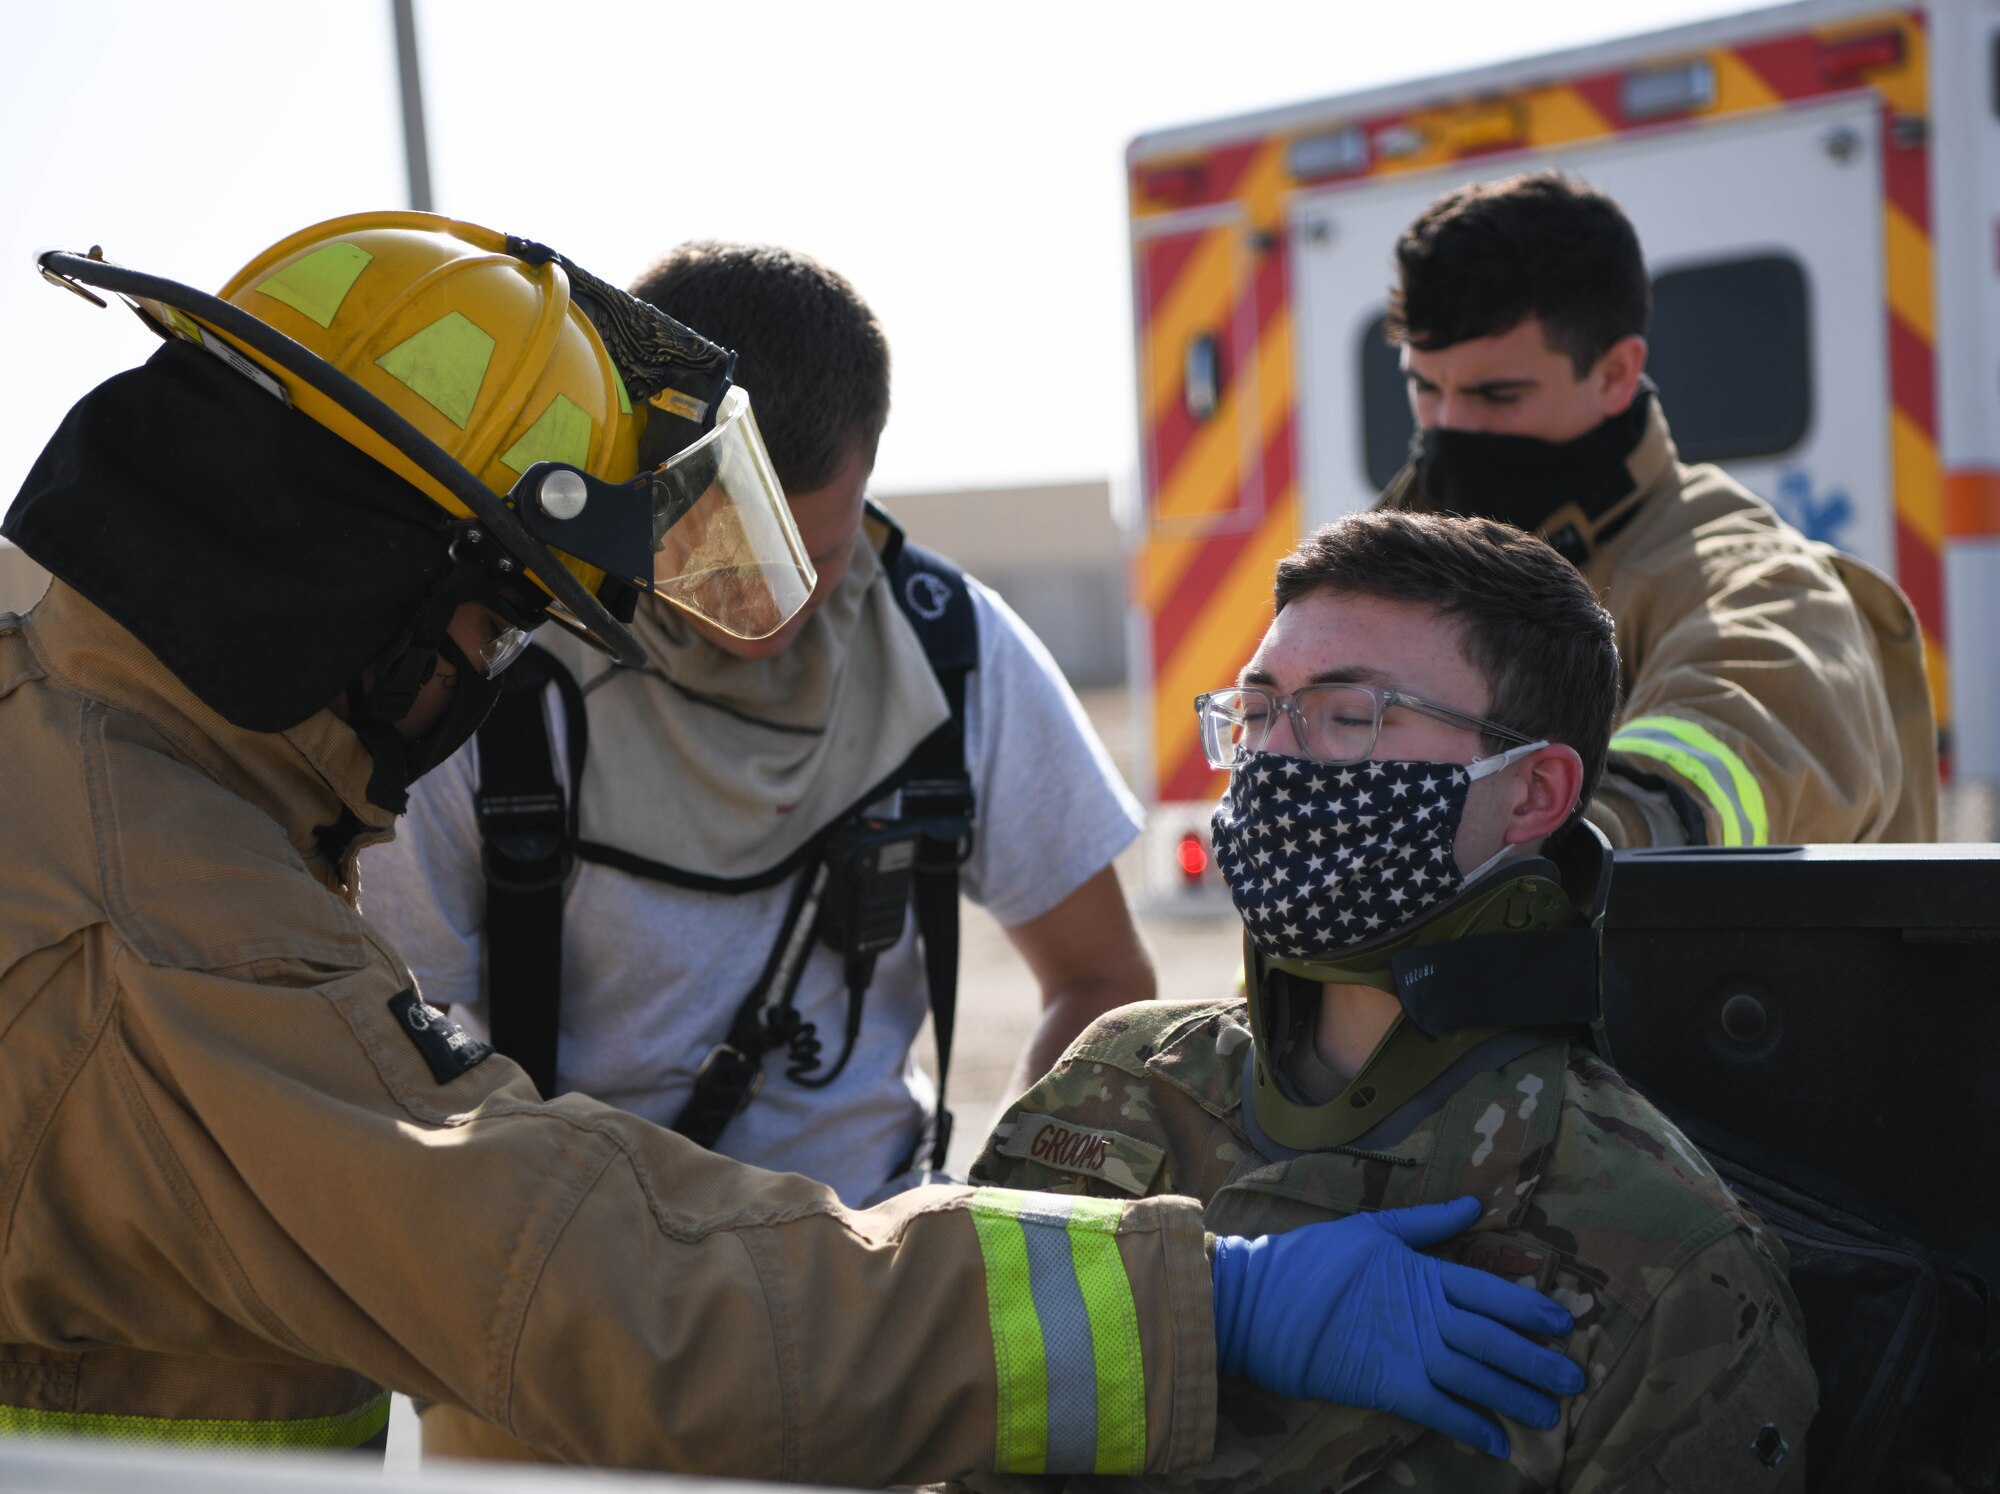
{"x":1201,"y":375}
{"x":1841,"y":143}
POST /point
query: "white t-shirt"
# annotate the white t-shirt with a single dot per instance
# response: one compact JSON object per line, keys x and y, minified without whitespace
{"x":653,"y":974}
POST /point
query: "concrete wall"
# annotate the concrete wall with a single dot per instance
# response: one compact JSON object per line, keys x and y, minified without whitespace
{"x":1052,"y":551}
{"x":21,"y":580}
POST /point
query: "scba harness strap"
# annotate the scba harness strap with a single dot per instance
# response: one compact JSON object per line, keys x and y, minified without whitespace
{"x":853,"y":878}
{"x":527,"y":831}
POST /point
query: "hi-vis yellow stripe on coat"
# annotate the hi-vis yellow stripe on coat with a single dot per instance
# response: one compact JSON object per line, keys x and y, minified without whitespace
{"x":1697,"y":755}
{"x":1065,"y":1334}
{"x":348,"y":1429}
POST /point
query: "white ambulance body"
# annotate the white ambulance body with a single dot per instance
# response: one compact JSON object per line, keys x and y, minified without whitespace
{"x":1817,"y":187}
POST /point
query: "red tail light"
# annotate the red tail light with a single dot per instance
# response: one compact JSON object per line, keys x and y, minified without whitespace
{"x":1192,"y":856}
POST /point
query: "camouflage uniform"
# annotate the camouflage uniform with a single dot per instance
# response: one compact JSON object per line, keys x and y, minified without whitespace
{"x":1685,"y":1323}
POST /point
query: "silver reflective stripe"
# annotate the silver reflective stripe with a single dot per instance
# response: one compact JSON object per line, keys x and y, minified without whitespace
{"x":1066,"y":1339}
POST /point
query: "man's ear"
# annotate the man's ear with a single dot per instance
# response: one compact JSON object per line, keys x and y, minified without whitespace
{"x":1616,"y":377}
{"x":1549,"y":784}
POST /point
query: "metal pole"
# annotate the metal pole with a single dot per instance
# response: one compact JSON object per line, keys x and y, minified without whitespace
{"x":416,"y":152}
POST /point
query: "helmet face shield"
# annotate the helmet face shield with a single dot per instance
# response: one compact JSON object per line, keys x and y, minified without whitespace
{"x":725,"y":548}
{"x":709,"y":531}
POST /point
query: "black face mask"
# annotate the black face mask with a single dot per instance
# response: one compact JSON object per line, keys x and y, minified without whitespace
{"x":1526,"y":482}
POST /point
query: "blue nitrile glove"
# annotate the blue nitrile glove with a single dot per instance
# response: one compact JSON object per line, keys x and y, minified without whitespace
{"x":1347,"y":1311}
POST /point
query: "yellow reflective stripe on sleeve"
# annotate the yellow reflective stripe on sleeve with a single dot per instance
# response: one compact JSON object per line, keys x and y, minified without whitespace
{"x":1022,"y":1422}
{"x":1699,"y":756}
{"x":348,"y":1429}
{"x":1114,"y":1332}
{"x":1065,"y":1334}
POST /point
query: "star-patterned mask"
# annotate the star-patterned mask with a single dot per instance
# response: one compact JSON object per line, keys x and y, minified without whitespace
{"x":1320,"y":858}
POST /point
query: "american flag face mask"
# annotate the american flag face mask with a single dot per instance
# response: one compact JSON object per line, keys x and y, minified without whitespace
{"x":1322,"y":857}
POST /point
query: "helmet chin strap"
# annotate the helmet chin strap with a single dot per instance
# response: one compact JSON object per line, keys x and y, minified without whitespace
{"x":406,"y":665}
{"x":376,"y":704}
{"x":1513,"y":951}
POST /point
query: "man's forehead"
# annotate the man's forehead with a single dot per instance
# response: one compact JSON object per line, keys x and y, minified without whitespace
{"x":828,"y":516}
{"x":1338,"y":637}
{"x":1475,"y":359}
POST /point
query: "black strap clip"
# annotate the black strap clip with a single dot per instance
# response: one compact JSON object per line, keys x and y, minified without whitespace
{"x":942,"y":808}
{"x":524,"y":845}
{"x":727,"y":1081}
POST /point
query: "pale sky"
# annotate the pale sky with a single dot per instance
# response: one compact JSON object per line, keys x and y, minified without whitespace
{"x":962,"y":165}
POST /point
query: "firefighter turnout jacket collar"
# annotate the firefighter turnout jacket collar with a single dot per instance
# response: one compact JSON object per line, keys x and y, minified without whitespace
{"x":242,"y":1153}
{"x":1773,"y":687}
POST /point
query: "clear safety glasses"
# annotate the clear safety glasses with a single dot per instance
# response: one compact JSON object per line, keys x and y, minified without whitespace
{"x":1332,"y":724}
{"x":502,"y":649}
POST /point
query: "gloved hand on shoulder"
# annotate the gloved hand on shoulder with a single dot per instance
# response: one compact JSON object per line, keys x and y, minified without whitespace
{"x":1348,"y":1311}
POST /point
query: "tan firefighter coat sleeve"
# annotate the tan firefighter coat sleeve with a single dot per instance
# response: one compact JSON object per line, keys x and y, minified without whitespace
{"x":235,"y":1139}
{"x":1775,"y":683}
{"x":1774,"y":688}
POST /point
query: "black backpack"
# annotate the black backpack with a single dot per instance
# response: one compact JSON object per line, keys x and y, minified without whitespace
{"x":1824,"y":1022}
{"x":852,"y":880}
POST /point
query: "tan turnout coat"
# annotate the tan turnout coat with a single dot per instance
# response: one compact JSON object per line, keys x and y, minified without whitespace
{"x":234,"y":1186}
{"x":1775,"y":682}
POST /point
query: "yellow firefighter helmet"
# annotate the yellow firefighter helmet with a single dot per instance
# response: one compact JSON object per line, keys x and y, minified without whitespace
{"x":598,"y":441}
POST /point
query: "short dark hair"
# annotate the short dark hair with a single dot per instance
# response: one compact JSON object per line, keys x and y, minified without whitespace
{"x":808,"y":349}
{"x":1485,"y":257}
{"x":1529,"y":620}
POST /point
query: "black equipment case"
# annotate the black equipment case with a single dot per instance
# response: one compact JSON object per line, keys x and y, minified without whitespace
{"x":1824,"y":1021}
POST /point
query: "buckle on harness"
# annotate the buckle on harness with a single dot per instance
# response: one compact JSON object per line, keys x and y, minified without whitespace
{"x":734,"y":1065}
{"x":524,"y":841}
{"x":942,"y":808}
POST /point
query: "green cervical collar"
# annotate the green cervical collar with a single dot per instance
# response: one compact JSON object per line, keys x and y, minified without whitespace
{"x":1520,"y":897}
{"x":1525,"y":898}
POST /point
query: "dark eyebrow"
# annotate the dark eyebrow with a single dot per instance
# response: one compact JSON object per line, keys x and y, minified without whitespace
{"x":1484,"y":390}
{"x":1350,"y":674}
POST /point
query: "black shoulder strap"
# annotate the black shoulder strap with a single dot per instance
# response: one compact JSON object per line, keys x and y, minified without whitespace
{"x":527,"y":828}
{"x":934,"y":596}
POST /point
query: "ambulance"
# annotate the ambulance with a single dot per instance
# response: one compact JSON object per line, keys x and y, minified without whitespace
{"x":1817,"y":187}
